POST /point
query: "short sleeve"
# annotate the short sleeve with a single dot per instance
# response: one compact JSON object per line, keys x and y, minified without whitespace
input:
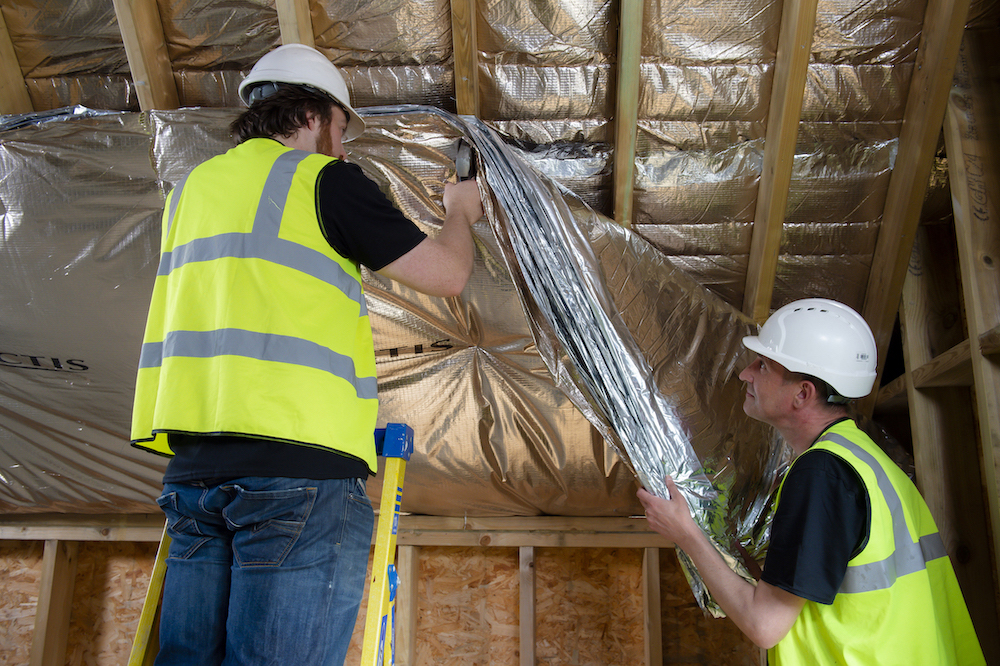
{"x":359,"y":221}
{"x":821,"y":522}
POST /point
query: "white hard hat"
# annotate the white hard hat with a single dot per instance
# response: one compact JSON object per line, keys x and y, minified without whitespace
{"x":303,"y":65}
{"x":822,"y":338}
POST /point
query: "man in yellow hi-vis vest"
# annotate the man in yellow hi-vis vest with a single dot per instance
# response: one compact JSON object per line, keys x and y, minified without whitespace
{"x":856,"y":572}
{"x":257,"y":371}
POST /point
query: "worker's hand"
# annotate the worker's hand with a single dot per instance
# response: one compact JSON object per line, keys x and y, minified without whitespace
{"x":671,"y":517}
{"x":463,"y":200}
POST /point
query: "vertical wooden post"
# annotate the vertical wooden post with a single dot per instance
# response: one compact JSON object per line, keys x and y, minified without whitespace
{"x":651,"y":610}
{"x":408,"y":567}
{"x":55,"y":600}
{"x":526,"y":557}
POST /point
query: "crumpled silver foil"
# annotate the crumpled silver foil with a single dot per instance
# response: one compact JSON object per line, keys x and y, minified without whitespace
{"x":576,"y":360}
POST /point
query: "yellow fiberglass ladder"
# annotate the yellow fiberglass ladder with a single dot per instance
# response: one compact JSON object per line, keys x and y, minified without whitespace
{"x":395,"y":444}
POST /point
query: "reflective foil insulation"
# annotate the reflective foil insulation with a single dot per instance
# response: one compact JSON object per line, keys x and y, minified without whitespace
{"x":582,"y":358}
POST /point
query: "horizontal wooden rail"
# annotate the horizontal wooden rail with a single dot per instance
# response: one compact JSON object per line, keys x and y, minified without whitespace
{"x":414,"y":530}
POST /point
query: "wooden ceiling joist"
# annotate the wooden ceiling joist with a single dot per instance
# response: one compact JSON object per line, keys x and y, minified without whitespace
{"x":798,"y":22}
{"x":466,"y":50}
{"x":13,"y":92}
{"x":627,"y":108}
{"x":295,"y":22}
{"x":146,"y":48}
{"x":944,"y":23}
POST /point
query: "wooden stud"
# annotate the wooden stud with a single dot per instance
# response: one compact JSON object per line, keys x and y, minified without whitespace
{"x":627,"y":108}
{"x":975,"y":180}
{"x":13,"y":92}
{"x":408,"y":569}
{"x":944,"y":22}
{"x":651,"y":608}
{"x":55,"y":600}
{"x":798,"y":22}
{"x":295,"y":22}
{"x":526,"y":560}
{"x":466,"y":47}
{"x":146,"y":47}
{"x":944,"y":441}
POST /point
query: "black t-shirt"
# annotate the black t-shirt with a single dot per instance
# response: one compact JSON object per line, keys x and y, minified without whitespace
{"x":821,"y":522}
{"x":361,"y":224}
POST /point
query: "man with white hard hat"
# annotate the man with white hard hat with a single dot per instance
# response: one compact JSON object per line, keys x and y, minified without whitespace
{"x":856,"y":572}
{"x":257,"y":371}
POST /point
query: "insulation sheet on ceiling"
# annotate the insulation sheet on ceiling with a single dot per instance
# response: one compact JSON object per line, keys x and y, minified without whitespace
{"x":575,"y":363}
{"x":518,"y":408}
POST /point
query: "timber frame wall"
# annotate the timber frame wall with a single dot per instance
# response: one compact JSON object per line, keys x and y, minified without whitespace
{"x":948,"y":308}
{"x":62,"y":535}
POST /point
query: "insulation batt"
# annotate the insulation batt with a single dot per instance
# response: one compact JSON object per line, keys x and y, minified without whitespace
{"x":576,"y":362}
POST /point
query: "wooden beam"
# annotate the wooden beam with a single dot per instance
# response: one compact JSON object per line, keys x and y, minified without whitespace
{"x":295,"y":22}
{"x":945,"y":450}
{"x":13,"y":92}
{"x":652,"y":611}
{"x":514,"y":531}
{"x":798,"y":22}
{"x":408,"y":569}
{"x":466,"y":48}
{"x":627,"y":108}
{"x":526,"y":603}
{"x":539,"y":531}
{"x":989,"y":342}
{"x":82,"y":527}
{"x":55,"y":600}
{"x":146,"y":47}
{"x":974,"y":174}
{"x":944,"y":22}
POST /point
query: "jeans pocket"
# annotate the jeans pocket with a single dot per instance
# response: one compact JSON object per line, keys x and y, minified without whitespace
{"x":186,"y":535}
{"x":267,"y":523}
{"x":359,"y":493}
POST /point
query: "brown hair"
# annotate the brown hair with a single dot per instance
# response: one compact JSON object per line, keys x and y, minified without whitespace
{"x":282,"y":113}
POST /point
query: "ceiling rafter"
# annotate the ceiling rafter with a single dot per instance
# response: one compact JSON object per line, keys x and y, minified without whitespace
{"x":146,"y":49}
{"x":923,"y":118}
{"x":798,"y":23}
{"x":14,"y":96}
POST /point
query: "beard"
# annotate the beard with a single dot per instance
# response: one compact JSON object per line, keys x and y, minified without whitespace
{"x":324,"y":144}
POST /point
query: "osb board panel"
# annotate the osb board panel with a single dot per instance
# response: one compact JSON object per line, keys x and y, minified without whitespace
{"x":109,"y":590}
{"x":467,"y":606}
{"x":588,"y":606}
{"x":20,"y":573}
{"x":690,"y":636}
{"x":111,"y":582}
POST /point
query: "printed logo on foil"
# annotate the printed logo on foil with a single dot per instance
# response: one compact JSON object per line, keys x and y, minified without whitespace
{"x":396,"y":352}
{"x":33,"y":362}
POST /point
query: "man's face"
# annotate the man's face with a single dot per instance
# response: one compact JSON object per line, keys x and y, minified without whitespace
{"x":770,"y":390}
{"x":330,"y":140}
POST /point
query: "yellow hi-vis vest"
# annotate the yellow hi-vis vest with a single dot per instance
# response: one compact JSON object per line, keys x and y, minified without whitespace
{"x":900,"y":602}
{"x":256,"y":326}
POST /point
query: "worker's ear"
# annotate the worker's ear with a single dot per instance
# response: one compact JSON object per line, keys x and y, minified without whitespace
{"x":806,"y":394}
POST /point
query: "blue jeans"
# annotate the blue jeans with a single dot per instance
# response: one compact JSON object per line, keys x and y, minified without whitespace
{"x":263,"y":571}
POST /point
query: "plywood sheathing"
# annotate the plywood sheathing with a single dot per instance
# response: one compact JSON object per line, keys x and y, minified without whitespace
{"x":588,"y":607}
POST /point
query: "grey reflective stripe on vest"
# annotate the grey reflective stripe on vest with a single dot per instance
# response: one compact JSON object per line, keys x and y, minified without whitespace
{"x":237,"y":342}
{"x":908,"y":557}
{"x":261,"y":243}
